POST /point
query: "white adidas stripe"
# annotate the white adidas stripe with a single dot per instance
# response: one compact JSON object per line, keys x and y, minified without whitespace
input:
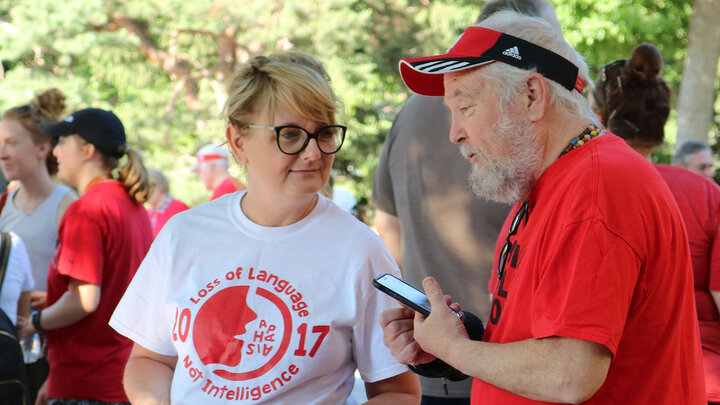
{"x":434,"y":64}
{"x":456,"y":66}
{"x":446,"y":66}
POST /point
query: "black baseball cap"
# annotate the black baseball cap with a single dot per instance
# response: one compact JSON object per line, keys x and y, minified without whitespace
{"x":478,"y":46}
{"x":98,"y":127}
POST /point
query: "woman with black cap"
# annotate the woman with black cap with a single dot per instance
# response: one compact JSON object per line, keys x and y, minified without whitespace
{"x":102,"y":239}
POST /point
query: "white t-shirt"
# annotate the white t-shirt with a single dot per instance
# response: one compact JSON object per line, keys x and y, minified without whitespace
{"x":18,"y":278}
{"x":262,"y":314}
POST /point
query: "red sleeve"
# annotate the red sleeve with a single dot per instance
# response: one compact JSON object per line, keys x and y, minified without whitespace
{"x":591,"y":297}
{"x":82,"y":250}
{"x":714,"y":281}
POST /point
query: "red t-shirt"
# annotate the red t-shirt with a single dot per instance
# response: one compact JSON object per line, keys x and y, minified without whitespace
{"x":227,"y":186}
{"x":159,"y":217}
{"x":698,"y":199}
{"x":603,"y":257}
{"x":103,"y":237}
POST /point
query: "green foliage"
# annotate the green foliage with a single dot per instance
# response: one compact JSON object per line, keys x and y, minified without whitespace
{"x":76,"y":46}
{"x":609,"y":30}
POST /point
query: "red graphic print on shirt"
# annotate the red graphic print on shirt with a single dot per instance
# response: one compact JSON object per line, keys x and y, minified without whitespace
{"x":215,"y":337}
{"x":247,"y":334}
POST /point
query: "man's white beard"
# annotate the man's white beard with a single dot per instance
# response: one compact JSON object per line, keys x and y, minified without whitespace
{"x":509,"y":178}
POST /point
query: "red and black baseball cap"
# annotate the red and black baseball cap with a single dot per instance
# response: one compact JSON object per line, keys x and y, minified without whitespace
{"x":99,"y":127}
{"x":479,"y":46}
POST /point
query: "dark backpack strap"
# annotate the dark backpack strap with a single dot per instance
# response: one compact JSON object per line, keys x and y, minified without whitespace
{"x":5,"y":245}
{"x":3,"y":200}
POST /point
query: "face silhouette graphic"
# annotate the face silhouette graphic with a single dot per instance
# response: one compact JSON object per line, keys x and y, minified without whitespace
{"x":221,"y":318}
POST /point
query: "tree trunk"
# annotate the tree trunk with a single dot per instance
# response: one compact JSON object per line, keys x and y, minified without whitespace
{"x":697,"y":91}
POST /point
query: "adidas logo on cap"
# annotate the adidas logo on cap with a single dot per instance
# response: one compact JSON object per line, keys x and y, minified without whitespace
{"x":69,"y":118}
{"x":513,"y":53}
{"x":478,"y":46}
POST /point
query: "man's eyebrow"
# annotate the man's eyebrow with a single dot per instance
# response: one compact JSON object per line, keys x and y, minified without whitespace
{"x":455,"y":94}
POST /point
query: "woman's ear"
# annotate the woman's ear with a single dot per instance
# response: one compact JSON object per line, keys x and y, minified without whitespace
{"x":87,"y":151}
{"x":44,"y":149}
{"x":236,"y":139}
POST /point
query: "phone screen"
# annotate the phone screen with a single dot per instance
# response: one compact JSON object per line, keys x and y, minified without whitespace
{"x":403,"y":292}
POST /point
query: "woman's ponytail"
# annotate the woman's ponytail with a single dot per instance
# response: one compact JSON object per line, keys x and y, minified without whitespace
{"x":134,"y":176}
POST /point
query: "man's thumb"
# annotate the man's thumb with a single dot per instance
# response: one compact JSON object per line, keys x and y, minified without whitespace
{"x":433,"y":291}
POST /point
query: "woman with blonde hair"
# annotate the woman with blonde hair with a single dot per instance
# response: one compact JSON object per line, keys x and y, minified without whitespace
{"x":33,"y":209}
{"x":104,"y":236}
{"x":265,"y":295}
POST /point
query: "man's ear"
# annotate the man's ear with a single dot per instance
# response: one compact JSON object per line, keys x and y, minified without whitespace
{"x":236,"y":139}
{"x":536,"y":96}
{"x":600,"y":116}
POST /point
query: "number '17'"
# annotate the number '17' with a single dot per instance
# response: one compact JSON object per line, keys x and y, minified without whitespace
{"x":323,"y":330}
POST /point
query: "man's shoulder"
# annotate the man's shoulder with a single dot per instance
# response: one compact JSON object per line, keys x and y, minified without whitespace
{"x":615,"y":163}
{"x":605,"y":174}
{"x":602,"y":160}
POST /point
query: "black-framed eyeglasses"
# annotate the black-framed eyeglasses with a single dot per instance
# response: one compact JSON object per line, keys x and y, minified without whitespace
{"x":509,"y":245}
{"x":292,"y":139}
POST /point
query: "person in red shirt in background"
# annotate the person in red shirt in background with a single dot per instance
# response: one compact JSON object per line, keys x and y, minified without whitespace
{"x":162,"y":204}
{"x":103,"y":237}
{"x":696,"y":157}
{"x":212,"y":169}
{"x":637,"y":112}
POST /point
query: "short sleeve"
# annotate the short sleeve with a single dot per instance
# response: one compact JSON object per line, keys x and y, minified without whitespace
{"x":591,"y":297}
{"x":82,"y":250}
{"x":374,"y":361}
{"x":383,"y":197}
{"x":142,"y":314}
{"x":714,"y":281}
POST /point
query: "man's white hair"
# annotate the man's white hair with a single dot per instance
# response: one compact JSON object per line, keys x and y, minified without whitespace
{"x":507,"y":80}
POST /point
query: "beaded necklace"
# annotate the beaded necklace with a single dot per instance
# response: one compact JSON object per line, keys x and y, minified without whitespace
{"x":591,"y":132}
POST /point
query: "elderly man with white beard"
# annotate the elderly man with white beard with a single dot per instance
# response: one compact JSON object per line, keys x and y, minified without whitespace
{"x":594,"y":298}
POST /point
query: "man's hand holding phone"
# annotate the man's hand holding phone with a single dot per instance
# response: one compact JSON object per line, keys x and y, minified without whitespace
{"x":424,"y":335}
{"x":399,"y":324}
{"x":439,"y":331}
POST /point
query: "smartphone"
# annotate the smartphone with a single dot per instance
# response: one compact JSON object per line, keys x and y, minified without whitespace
{"x":403,"y":292}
